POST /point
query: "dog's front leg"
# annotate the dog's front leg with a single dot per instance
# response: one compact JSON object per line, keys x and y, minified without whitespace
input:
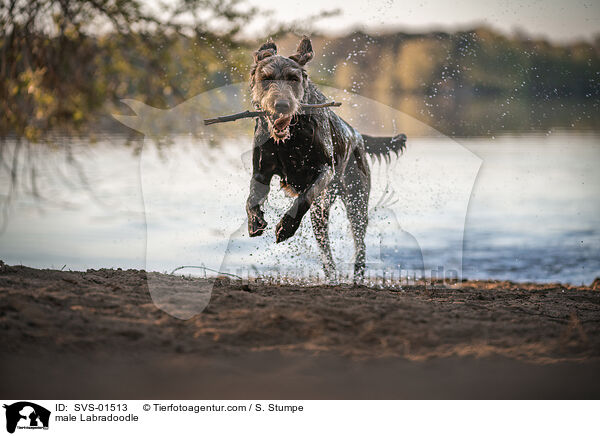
{"x":259,"y":189}
{"x":293,"y":217}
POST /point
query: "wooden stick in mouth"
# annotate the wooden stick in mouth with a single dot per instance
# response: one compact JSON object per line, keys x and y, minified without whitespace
{"x":252,"y":114}
{"x":320,"y":105}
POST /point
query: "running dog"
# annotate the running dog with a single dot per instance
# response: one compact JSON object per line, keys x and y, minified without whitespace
{"x":317,"y":155}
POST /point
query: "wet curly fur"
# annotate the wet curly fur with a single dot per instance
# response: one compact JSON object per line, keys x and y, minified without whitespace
{"x":317,"y":155}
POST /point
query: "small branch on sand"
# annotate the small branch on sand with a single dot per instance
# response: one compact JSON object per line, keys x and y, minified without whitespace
{"x":205,"y":268}
{"x":252,"y":114}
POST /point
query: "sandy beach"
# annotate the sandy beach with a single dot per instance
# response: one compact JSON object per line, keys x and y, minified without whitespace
{"x":97,"y":334}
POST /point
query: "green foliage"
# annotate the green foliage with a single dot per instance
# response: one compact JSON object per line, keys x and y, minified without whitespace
{"x":61,"y":61}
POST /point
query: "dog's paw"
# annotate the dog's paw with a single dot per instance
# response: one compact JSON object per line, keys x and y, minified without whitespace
{"x":286,"y":228}
{"x":256,"y":225}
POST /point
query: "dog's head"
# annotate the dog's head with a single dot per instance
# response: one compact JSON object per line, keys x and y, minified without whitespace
{"x":278,"y":84}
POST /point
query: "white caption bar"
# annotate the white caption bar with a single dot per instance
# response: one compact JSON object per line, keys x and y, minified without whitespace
{"x":265,"y":417}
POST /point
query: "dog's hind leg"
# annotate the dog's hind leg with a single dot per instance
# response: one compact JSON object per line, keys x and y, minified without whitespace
{"x":355,"y":195}
{"x":319,"y":215}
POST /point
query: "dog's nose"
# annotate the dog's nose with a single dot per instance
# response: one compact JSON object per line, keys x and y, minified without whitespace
{"x":282,"y":106}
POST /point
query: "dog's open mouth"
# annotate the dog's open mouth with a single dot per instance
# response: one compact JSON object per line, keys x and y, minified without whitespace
{"x":280,"y":126}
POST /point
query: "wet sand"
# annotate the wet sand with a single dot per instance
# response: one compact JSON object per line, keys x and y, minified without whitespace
{"x":97,"y":334}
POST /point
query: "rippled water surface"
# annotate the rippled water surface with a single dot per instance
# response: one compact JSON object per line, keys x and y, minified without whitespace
{"x":526,"y":205}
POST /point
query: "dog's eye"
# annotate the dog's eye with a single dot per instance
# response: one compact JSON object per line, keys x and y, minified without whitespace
{"x":293,"y":78}
{"x":267,"y":78}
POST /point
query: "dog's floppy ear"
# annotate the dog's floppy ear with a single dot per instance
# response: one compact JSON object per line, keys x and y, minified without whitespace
{"x":267,"y":49}
{"x":304,"y":52}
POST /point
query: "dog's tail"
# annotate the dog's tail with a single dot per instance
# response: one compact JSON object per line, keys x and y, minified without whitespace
{"x":383,"y":146}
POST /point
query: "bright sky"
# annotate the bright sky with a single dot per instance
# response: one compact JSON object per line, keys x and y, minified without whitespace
{"x":558,"y":20}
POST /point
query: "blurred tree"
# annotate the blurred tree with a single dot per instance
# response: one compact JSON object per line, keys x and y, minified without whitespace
{"x":60,"y":60}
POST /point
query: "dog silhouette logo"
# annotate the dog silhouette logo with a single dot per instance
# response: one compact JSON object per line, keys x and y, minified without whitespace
{"x":26,"y":415}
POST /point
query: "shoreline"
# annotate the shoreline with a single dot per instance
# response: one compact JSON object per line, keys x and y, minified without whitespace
{"x":98,"y":332}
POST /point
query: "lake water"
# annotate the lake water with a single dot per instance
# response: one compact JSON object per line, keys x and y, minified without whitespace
{"x":520,"y":207}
